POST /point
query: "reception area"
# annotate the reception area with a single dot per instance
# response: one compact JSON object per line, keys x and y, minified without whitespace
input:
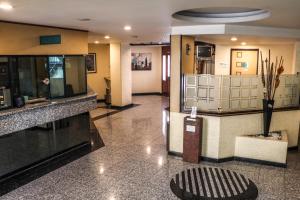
{"x":150,"y":100}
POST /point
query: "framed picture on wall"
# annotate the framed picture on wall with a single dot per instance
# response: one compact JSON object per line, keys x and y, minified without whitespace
{"x":90,"y":63}
{"x":141,"y":61}
{"x":244,"y":61}
{"x":239,"y":54}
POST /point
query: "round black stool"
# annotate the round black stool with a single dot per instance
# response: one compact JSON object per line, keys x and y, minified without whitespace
{"x":211,"y":183}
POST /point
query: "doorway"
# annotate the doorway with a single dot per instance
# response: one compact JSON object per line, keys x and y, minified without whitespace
{"x":166,"y":70}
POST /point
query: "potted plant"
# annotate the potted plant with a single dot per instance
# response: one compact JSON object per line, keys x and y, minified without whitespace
{"x":270,"y":74}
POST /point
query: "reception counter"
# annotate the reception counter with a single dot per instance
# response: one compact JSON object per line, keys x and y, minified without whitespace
{"x":221,"y":129}
{"x":31,"y":115}
{"x":36,"y":133}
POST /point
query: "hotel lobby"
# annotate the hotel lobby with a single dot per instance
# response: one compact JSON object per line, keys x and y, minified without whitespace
{"x":150,"y":99}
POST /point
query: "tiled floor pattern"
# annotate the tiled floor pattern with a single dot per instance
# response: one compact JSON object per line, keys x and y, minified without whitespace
{"x":134,"y":164}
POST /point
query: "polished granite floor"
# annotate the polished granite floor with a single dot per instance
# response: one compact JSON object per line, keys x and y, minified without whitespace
{"x":134,"y":164}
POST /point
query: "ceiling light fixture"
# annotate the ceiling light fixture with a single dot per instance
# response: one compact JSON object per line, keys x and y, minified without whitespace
{"x":96,"y":42}
{"x":243,"y":43}
{"x":127,"y":28}
{"x":107,"y":37}
{"x":233,"y":39}
{"x":6,"y":6}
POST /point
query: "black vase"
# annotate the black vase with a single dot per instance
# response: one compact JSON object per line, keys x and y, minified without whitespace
{"x":268,"y":110}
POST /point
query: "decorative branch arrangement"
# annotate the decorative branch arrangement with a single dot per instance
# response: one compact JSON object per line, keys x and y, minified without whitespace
{"x":270,"y":79}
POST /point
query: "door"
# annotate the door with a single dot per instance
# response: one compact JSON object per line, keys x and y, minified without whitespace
{"x":166,"y":70}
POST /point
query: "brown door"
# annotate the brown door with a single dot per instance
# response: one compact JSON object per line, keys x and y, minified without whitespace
{"x":166,"y":66}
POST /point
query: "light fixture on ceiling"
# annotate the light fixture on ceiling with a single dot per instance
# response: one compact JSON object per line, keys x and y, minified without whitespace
{"x":127,"y":28}
{"x":6,"y":6}
{"x":107,"y":37}
{"x":243,"y":43}
{"x":222,"y":14}
{"x":96,"y":42}
{"x":233,"y":39}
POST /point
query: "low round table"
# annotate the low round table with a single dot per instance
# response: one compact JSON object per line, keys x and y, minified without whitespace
{"x":212,"y":183}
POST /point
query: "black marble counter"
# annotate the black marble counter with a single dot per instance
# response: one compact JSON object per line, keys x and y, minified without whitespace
{"x":16,"y":119}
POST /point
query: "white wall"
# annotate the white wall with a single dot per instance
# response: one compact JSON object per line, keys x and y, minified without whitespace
{"x":222,"y":58}
{"x":126,"y":74}
{"x":148,"y":81}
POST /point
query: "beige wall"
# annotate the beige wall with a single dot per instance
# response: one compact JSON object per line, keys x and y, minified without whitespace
{"x":115,"y":74}
{"x":96,"y":81}
{"x":148,"y":81}
{"x":175,"y":73}
{"x":188,"y":60}
{"x":222,"y":61}
{"x":120,"y":74}
{"x":16,"y":39}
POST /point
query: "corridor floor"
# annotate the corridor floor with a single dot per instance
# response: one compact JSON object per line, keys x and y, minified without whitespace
{"x":134,"y":164}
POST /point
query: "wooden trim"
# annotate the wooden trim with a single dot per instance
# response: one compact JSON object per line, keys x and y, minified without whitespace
{"x":150,"y":44}
{"x":39,"y":25}
{"x":147,"y":93}
{"x":234,"y":49}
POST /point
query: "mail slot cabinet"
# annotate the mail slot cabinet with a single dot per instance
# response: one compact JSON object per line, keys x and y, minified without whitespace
{"x":192,"y":139}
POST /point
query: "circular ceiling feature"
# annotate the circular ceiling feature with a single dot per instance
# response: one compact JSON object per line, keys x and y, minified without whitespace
{"x":222,"y":14}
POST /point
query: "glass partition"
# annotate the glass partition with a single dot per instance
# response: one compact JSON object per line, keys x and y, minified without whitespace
{"x":229,"y":93}
{"x":75,"y":75}
{"x":27,"y":80}
{"x":56,"y":73}
{"x":42,"y":77}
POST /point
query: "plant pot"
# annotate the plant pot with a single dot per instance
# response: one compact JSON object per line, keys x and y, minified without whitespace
{"x":268,"y":110}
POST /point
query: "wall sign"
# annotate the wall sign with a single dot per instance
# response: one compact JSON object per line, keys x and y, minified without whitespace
{"x":50,"y":39}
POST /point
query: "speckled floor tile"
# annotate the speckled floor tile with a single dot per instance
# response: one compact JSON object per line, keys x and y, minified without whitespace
{"x":134,"y":164}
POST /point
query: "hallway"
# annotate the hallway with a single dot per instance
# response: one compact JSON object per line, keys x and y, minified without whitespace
{"x":134,"y":164}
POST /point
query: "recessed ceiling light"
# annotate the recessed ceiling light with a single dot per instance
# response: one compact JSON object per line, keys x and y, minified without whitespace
{"x":96,"y":42}
{"x":107,"y":37}
{"x":5,"y":6}
{"x":243,"y":43}
{"x":233,"y":39}
{"x":127,"y":28}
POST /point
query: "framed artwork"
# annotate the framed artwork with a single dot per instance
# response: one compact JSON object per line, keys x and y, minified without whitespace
{"x":141,"y":61}
{"x":90,"y":63}
{"x":244,"y":61}
{"x":238,"y":64}
{"x":239,"y":54}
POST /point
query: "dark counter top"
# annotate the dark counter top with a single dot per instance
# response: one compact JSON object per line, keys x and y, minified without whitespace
{"x":246,"y":112}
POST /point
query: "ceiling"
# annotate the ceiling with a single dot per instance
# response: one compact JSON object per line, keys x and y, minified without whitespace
{"x":150,"y":19}
{"x":250,"y":40}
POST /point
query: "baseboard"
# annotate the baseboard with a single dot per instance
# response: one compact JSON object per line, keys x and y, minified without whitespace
{"x":174,"y":153}
{"x":233,"y":158}
{"x":262,"y":162}
{"x":215,"y":160}
{"x":100,"y":100}
{"x":147,"y":93}
{"x":123,"y":107}
{"x":295,"y":148}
